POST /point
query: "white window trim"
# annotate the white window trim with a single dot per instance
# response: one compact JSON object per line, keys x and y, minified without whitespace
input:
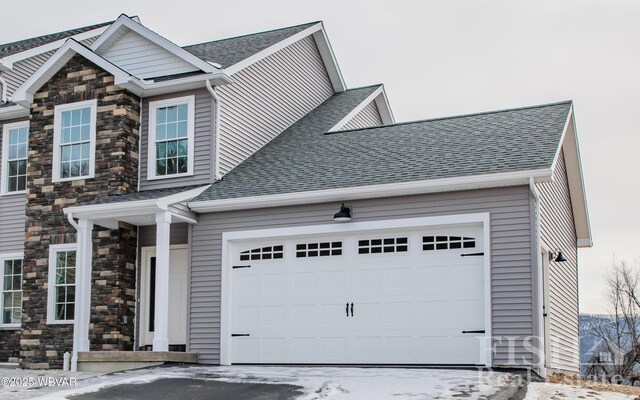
{"x":57,"y":138}
{"x":54,"y":249}
{"x":5,"y":156}
{"x":5,"y":257}
{"x":151,"y":153}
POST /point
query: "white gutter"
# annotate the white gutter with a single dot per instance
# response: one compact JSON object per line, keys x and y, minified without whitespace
{"x":373,"y":191}
{"x":539,"y":280}
{"x":216,"y":131}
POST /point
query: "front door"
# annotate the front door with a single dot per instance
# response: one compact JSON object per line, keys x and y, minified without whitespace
{"x":177,"y":291}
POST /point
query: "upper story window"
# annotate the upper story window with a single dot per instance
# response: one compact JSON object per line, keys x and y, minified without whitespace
{"x":74,"y":141}
{"x":11,"y":285}
{"x":171,"y":130}
{"x":62,"y":284}
{"x":15,"y":142}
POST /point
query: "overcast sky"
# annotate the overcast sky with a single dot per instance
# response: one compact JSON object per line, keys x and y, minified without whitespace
{"x":439,"y":58}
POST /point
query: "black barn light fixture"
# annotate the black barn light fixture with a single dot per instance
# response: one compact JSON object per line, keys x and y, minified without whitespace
{"x":557,"y":256}
{"x":343,"y":215}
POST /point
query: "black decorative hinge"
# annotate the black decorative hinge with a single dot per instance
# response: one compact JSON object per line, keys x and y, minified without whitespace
{"x":241,"y":266}
{"x":479,"y":331}
{"x":471,"y":254}
{"x":239,"y":334}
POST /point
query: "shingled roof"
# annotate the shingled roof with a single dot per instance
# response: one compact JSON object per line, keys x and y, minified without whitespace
{"x":228,"y":52}
{"x":305,"y":157}
{"x":12,"y":48}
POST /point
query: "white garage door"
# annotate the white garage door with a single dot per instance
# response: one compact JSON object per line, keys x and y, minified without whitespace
{"x":382,"y":297}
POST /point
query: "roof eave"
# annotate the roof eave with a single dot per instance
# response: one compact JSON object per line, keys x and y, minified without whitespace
{"x":375,"y":191}
{"x":16,"y":111}
{"x":570,"y":147}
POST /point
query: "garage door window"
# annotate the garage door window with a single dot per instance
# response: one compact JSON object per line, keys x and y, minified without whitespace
{"x":447,"y":242}
{"x":378,"y":246}
{"x":322,"y":249}
{"x":263,"y":253}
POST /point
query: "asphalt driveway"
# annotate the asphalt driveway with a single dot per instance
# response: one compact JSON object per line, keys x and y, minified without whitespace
{"x":185,"y":382}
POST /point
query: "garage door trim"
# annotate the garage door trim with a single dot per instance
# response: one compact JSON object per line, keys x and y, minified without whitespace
{"x":342,"y":228}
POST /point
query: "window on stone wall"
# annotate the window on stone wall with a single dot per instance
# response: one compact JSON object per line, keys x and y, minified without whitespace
{"x":62,"y":283}
{"x":15,"y":142}
{"x":74,"y":141}
{"x":171,"y":132}
{"x":11,"y":285}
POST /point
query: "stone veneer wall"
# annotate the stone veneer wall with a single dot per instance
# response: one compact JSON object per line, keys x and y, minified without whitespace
{"x":114,"y":255}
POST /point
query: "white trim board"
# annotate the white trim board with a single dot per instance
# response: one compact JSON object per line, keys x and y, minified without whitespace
{"x":352,"y":227}
{"x":374,"y":191}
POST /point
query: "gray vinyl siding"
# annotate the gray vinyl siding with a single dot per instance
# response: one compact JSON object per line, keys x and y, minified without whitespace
{"x":558,"y":232}
{"x":368,"y":116}
{"x":511,"y":279}
{"x":147,"y":235}
{"x":12,"y":221}
{"x":142,"y":58}
{"x":203,"y":143}
{"x":23,"y":69}
{"x":267,"y":97}
{"x":13,"y":210}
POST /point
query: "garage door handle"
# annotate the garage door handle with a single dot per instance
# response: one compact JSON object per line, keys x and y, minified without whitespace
{"x":471,"y":254}
{"x":479,"y":331}
{"x":352,"y":309}
{"x":347,"y":309}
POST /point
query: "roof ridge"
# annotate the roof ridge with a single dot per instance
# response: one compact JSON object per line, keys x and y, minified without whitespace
{"x":454,"y":117}
{"x":252,"y":34}
{"x":94,"y":26}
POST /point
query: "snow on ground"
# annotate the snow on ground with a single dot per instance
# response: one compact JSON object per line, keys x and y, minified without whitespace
{"x":317,"y":383}
{"x":369,"y":383}
{"x":552,"y":391}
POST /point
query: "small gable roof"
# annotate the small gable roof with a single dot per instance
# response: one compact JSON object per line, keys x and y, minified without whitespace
{"x":9,"y":49}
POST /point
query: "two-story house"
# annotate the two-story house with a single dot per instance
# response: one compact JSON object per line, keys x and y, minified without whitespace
{"x":236,"y":200}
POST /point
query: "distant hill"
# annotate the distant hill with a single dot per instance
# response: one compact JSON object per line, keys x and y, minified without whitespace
{"x":588,"y":341}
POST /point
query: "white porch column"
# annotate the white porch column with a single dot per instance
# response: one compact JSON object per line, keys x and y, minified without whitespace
{"x":161,"y":323}
{"x":82,"y":316}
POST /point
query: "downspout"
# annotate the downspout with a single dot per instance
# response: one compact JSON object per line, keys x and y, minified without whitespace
{"x":539,"y":280}
{"x":3,"y":92}
{"x":140,"y":161}
{"x":216,"y":131}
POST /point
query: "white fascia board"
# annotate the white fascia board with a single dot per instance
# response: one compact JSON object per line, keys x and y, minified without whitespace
{"x":148,"y":88}
{"x":101,"y":44}
{"x":272,"y":49}
{"x":577,"y":191}
{"x":562,"y":137}
{"x":356,"y":110}
{"x":374,"y":191}
{"x":384,"y":108}
{"x":24,"y":94}
{"x":330,"y":60}
{"x":132,"y":208}
{"x":16,"y":111}
{"x":7,"y":62}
